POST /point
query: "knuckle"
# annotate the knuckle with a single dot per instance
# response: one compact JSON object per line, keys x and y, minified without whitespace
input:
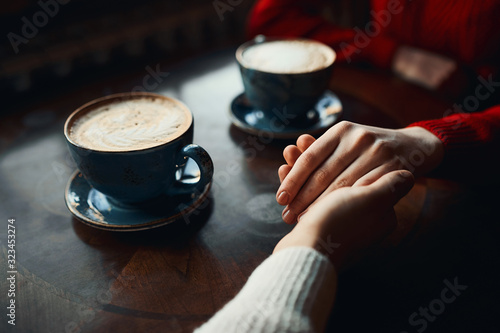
{"x":344,"y":126}
{"x":341,"y":182}
{"x":322,"y":176}
{"x":383,"y":148}
{"x":342,"y":160}
{"x":364,"y":181}
{"x":309,"y":158}
{"x":291,"y":182}
{"x":364,"y":137}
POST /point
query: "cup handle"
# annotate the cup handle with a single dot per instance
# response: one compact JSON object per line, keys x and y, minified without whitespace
{"x":201,"y":157}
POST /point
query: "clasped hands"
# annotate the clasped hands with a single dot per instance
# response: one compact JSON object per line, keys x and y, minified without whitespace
{"x":342,"y":187}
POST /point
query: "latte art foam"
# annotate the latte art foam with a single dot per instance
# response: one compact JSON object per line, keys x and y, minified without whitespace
{"x":292,"y":56}
{"x":131,"y":125}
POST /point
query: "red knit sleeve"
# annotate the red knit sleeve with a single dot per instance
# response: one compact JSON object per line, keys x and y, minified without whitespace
{"x":471,"y":142}
{"x":298,"y":18}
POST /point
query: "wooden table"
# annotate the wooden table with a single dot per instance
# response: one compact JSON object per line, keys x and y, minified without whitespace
{"x":73,"y":278}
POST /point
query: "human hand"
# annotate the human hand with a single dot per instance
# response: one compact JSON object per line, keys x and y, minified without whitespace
{"x":350,"y":154}
{"x":347,"y":222}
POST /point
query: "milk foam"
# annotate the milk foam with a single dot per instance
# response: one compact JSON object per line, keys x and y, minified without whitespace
{"x":293,"y":56}
{"x":131,"y":125}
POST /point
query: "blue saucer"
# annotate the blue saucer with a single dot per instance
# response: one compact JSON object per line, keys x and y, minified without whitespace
{"x":96,"y":210}
{"x":326,"y":112}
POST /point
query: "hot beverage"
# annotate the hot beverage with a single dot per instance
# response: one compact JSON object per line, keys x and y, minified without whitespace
{"x":288,"y":56}
{"x":130,"y":124}
{"x":131,"y":146}
{"x":285,"y":76}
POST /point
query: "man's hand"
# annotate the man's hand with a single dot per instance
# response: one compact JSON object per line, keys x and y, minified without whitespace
{"x":347,"y":222}
{"x":349,"y":154}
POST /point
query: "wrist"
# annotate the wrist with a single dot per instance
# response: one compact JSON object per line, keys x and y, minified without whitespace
{"x":315,"y":239}
{"x":297,"y":238}
{"x":427,"y":151}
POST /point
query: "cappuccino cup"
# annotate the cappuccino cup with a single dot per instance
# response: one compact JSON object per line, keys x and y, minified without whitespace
{"x":130,"y":146}
{"x":285,"y":75}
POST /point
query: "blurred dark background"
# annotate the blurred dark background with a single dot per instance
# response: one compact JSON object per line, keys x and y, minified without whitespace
{"x":84,"y":40}
{"x":49,"y":46}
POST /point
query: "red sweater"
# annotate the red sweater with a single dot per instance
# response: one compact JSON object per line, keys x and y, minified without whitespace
{"x":465,"y":31}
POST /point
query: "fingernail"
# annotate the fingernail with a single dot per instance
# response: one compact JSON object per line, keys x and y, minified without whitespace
{"x":283,"y":198}
{"x":301,"y":214}
{"x":289,"y":217}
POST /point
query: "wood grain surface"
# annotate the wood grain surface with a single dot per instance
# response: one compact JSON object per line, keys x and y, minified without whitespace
{"x":73,"y":278}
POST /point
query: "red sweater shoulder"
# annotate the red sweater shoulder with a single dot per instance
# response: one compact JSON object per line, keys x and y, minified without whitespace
{"x":463,"y":30}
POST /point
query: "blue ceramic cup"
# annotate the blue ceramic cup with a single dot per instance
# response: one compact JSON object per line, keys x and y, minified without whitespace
{"x":286,"y":77}
{"x":138,"y":176}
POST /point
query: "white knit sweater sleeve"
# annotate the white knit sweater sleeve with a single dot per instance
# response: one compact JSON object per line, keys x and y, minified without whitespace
{"x":291,"y":291}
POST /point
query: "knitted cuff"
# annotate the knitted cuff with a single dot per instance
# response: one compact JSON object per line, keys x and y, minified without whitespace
{"x":454,"y":131}
{"x":292,"y":289}
{"x":461,"y":140}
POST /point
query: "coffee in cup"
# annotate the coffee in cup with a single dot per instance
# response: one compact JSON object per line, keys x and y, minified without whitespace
{"x":130,"y":146}
{"x":285,"y":75}
{"x":293,"y":56}
{"x":127,"y":125}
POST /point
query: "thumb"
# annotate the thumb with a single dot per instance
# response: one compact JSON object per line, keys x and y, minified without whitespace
{"x":391,"y":187}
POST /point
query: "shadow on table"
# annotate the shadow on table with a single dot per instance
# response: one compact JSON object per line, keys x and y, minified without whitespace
{"x":445,"y":280}
{"x":176,"y":234}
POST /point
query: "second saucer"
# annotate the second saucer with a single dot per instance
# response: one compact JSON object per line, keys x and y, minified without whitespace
{"x":325,"y":113}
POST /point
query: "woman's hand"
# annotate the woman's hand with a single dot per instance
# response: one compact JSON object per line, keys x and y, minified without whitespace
{"x":350,"y":154}
{"x":347,"y":222}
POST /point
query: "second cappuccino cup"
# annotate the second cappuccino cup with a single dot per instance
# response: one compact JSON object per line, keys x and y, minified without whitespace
{"x":285,"y":75}
{"x":130,"y":146}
